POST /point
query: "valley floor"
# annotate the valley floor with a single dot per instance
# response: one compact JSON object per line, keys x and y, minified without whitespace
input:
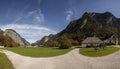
{"x":71,"y":60}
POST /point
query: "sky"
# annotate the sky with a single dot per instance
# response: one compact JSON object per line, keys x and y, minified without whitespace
{"x":33,"y":19}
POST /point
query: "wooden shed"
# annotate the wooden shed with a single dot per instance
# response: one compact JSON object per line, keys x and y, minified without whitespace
{"x":92,"y":41}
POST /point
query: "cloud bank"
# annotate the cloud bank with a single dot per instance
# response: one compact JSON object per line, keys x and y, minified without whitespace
{"x":31,"y":33}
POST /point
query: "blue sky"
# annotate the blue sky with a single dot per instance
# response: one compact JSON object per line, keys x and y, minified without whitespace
{"x":34,"y":19}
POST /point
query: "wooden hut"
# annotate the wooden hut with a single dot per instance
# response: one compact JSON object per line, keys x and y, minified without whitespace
{"x":92,"y":41}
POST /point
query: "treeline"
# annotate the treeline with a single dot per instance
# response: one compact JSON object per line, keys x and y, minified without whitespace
{"x":63,"y":43}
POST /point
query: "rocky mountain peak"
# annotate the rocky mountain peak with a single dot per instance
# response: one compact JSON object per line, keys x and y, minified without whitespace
{"x":44,"y":39}
{"x":16,"y":37}
{"x":108,"y":13}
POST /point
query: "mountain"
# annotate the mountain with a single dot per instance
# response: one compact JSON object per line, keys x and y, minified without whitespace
{"x":16,"y":37}
{"x":90,"y":20}
{"x":6,"y":41}
{"x":89,"y":25}
{"x":1,"y":31}
{"x":44,"y":39}
{"x":92,"y":24}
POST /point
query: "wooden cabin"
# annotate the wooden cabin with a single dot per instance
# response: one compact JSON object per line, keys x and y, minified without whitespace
{"x":92,"y":41}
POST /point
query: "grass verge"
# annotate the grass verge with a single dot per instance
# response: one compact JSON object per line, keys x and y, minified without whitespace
{"x":92,"y":53}
{"x":4,"y":62}
{"x":39,"y":52}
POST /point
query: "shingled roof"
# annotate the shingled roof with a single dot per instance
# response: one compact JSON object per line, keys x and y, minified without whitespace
{"x":92,"y":40}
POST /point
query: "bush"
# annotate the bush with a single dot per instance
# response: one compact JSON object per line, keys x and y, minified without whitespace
{"x":52,"y":44}
{"x":14,"y":44}
{"x":55,"y":44}
{"x":33,"y":44}
{"x":75,"y":43}
{"x":65,"y":43}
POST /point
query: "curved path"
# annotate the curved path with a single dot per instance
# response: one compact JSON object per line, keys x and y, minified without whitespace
{"x":71,"y":60}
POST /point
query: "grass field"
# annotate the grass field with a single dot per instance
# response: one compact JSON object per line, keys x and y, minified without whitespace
{"x":4,"y":62}
{"x":39,"y":52}
{"x":92,"y":53}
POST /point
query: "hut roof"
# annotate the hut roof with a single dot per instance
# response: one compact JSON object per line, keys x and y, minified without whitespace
{"x":94,"y":40}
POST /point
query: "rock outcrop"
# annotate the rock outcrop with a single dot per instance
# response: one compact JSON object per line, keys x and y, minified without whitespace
{"x":16,"y":37}
{"x":43,"y":40}
{"x":1,"y":31}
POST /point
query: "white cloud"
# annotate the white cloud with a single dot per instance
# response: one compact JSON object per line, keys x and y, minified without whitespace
{"x":29,"y":32}
{"x":34,"y":17}
{"x":69,"y":15}
{"x":37,"y":16}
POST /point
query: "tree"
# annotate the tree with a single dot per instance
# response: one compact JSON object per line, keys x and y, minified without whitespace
{"x":65,"y":42}
{"x":55,"y":44}
{"x":33,"y":44}
{"x":75,"y":42}
{"x":2,"y":39}
{"x":52,"y":44}
{"x":14,"y":44}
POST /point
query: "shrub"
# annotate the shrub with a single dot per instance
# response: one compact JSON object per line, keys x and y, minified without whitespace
{"x":75,"y":43}
{"x":33,"y":44}
{"x":52,"y":44}
{"x":55,"y":44}
{"x":65,"y":43}
{"x":14,"y":44}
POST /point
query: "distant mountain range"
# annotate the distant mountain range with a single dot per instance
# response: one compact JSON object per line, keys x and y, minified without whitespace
{"x":10,"y":38}
{"x":90,"y":24}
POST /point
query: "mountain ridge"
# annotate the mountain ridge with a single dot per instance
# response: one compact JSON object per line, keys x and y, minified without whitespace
{"x":89,"y":25}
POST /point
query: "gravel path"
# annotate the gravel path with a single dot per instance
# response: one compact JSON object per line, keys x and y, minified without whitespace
{"x":71,"y":60}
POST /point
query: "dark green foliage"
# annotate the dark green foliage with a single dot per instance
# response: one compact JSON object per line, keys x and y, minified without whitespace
{"x":65,"y":42}
{"x":52,"y":44}
{"x":75,"y":42}
{"x":33,"y":44}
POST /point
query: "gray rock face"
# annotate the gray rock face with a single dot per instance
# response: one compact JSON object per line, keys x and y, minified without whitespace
{"x":16,"y":37}
{"x":43,"y":40}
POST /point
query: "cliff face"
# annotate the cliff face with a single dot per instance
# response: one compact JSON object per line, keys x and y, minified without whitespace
{"x":1,"y":31}
{"x":43,"y":40}
{"x":16,"y":37}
